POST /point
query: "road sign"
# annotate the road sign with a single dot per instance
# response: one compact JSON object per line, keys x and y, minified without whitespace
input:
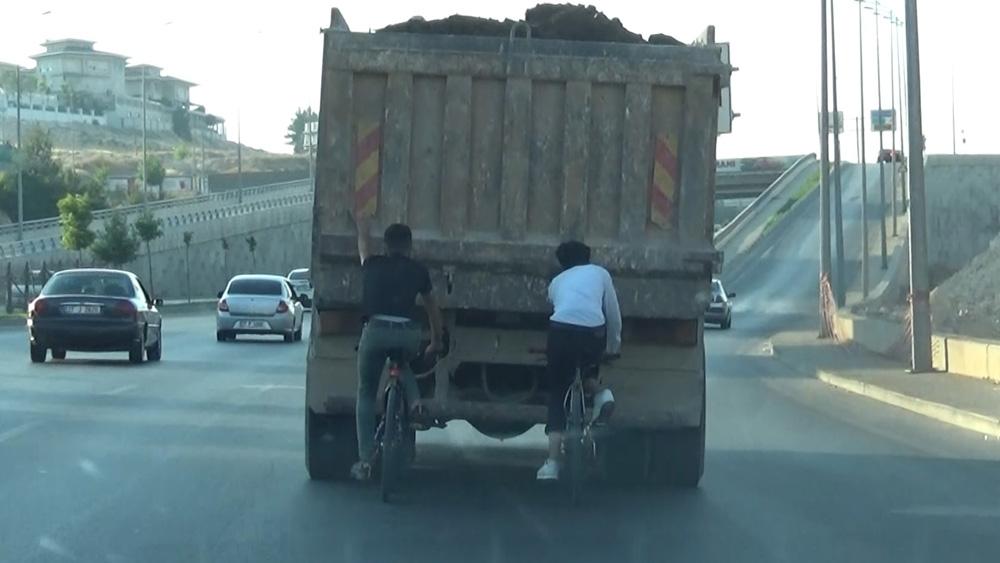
{"x":836,"y":121}
{"x":883,"y":120}
{"x":310,"y":137}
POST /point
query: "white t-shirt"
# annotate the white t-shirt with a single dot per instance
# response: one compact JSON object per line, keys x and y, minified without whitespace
{"x":585,"y":296}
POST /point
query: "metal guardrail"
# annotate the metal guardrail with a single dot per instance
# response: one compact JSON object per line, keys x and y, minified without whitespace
{"x":52,"y":243}
{"x":220,"y":197}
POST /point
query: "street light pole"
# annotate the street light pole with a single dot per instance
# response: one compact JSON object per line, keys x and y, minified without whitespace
{"x":825,"y":330}
{"x":145,"y":196}
{"x":239,"y":156}
{"x":864,"y":159}
{"x":840,"y":291}
{"x":892,"y":96}
{"x":902,"y":122}
{"x":920,"y":313}
{"x":20,"y":159}
{"x":881,"y":141}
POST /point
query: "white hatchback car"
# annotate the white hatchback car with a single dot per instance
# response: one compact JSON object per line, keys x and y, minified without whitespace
{"x":259,"y":304}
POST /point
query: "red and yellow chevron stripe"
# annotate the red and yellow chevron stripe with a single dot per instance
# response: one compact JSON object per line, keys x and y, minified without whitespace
{"x":663,"y":192}
{"x":367,"y":168}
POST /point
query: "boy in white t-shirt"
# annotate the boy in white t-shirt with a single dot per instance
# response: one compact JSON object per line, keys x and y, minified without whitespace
{"x":585,"y":324}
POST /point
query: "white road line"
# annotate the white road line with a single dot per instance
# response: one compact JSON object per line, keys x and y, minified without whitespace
{"x":270,"y":387}
{"x":17,"y":431}
{"x":120,"y":390}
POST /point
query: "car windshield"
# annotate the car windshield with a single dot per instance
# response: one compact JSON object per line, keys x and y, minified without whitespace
{"x":299,"y":275}
{"x":255,"y":286}
{"x":96,"y":283}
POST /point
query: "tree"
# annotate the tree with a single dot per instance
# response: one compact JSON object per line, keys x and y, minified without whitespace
{"x":74,"y":219}
{"x":155,"y":174}
{"x":45,"y":182}
{"x":188,"y":237}
{"x":297,"y":129}
{"x":225,"y":258}
{"x":149,"y":228}
{"x":182,"y":153}
{"x":252,"y":245}
{"x":116,"y":244}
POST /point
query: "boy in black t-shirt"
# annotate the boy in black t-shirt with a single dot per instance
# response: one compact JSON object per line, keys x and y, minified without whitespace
{"x":391,"y":284}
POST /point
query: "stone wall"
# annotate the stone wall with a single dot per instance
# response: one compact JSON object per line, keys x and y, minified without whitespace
{"x":963,"y":210}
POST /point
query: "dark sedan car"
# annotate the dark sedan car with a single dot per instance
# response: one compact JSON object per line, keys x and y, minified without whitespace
{"x":95,"y":311}
{"x":720,"y":309}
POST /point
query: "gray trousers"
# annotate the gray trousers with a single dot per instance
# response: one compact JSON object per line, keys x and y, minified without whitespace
{"x":377,"y":340}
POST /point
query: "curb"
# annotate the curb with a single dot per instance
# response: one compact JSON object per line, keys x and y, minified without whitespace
{"x":947,"y":414}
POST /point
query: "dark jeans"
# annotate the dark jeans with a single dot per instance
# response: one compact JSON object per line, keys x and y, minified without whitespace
{"x":377,"y":340}
{"x":570,"y":346}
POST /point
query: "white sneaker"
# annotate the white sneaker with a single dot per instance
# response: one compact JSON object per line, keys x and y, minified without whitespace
{"x":549,"y":471}
{"x":604,"y":406}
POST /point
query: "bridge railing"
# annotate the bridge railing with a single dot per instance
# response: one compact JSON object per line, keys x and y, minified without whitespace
{"x":51,"y":243}
{"x":36,"y":225}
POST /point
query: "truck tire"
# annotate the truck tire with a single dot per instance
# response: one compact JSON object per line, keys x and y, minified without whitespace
{"x":331,"y":446}
{"x":624,"y":457}
{"x":677,"y":457}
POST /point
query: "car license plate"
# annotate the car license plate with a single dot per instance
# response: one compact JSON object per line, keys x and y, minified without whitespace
{"x":82,"y":309}
{"x":252,"y":325}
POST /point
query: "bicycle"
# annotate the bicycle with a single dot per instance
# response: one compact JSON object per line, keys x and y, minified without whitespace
{"x":394,"y":439}
{"x":579,"y":445}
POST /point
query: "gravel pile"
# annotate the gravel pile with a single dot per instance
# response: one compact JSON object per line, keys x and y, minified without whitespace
{"x":968,"y":303}
{"x":548,"y":21}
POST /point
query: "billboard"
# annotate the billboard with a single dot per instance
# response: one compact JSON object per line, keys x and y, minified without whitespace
{"x":883,"y":120}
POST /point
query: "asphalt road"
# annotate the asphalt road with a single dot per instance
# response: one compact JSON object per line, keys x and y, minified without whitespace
{"x":199,"y":459}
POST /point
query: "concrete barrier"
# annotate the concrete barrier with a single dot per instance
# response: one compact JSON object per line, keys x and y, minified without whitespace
{"x":876,"y":335}
{"x":960,"y":355}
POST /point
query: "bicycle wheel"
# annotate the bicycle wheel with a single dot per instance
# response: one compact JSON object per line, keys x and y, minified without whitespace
{"x":393,"y":447}
{"x":574,"y":444}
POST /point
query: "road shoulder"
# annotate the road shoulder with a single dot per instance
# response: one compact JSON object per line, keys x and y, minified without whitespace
{"x":959,"y":401}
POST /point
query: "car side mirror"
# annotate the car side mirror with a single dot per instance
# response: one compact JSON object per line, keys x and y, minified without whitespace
{"x":158,"y":302}
{"x":731,"y":295}
{"x":219,"y":295}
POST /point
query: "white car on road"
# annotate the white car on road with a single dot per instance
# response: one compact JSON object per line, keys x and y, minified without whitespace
{"x":303,"y":285}
{"x":259,"y":304}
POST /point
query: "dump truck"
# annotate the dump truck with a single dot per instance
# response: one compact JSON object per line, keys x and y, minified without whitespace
{"x":494,"y":150}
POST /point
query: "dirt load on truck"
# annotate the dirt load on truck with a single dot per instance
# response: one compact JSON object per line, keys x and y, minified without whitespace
{"x":494,"y":149}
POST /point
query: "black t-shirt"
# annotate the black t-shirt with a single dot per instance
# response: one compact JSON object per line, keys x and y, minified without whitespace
{"x":391,"y":285}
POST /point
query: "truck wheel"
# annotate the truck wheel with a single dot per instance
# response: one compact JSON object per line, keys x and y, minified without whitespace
{"x":624,"y":457}
{"x":58,"y":354}
{"x":331,"y":445}
{"x":677,"y":458}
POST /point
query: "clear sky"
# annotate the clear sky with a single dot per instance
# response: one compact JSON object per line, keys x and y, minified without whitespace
{"x":260,"y":59}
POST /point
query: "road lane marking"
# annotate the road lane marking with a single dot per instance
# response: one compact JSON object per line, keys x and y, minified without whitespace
{"x":17,"y":430}
{"x":270,"y":387}
{"x":120,"y":390}
{"x":956,"y":511}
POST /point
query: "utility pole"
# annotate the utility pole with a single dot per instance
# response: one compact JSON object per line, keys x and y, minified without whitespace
{"x":954,"y":138}
{"x":20,"y":159}
{"x":239,"y":157}
{"x":825,"y":329}
{"x":864,"y":159}
{"x":892,"y":96}
{"x":902,"y":136}
{"x":840,"y":290}
{"x":881,"y":141}
{"x":202,"y":187}
{"x":145,"y":196}
{"x":920,"y":312}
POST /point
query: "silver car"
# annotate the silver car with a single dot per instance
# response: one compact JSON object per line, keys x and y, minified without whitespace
{"x":302,"y":285}
{"x":720,"y":309}
{"x":259,"y":304}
